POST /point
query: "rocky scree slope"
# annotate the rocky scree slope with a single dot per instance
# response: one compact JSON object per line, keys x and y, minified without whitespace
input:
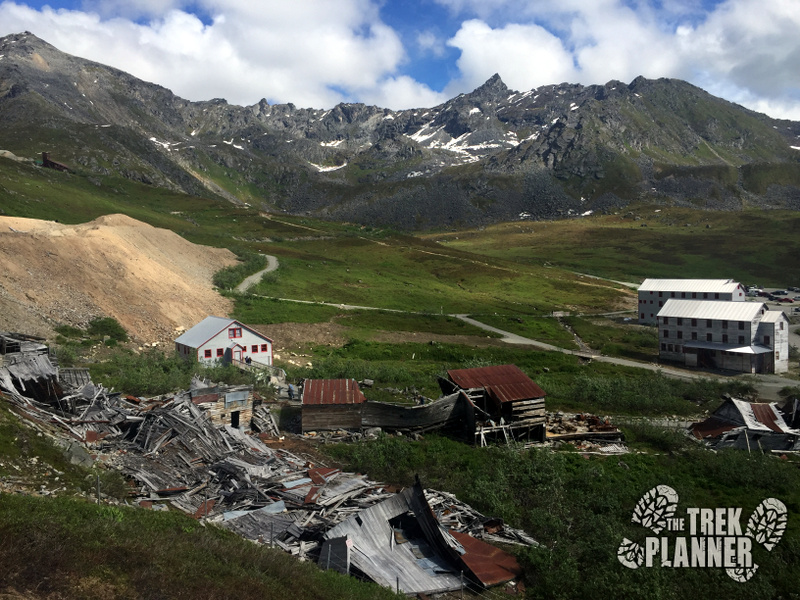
{"x":490,"y":155}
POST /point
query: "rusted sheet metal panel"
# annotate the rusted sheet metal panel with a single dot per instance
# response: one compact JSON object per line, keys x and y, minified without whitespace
{"x":505,"y":383}
{"x":490,"y":565}
{"x":332,"y":391}
{"x":767,"y":416}
{"x":322,"y":475}
{"x":203,"y":398}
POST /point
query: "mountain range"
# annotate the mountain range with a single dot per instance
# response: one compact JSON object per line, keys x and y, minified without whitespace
{"x":492,"y":155}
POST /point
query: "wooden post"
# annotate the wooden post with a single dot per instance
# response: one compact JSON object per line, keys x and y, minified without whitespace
{"x":462,"y":585}
{"x":329,"y":556}
{"x":98,"y":488}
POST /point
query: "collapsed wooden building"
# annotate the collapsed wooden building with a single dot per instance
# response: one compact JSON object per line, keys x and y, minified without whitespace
{"x":478,"y":405}
{"x":508,"y":405}
{"x":177,"y":455}
{"x":751,"y":426}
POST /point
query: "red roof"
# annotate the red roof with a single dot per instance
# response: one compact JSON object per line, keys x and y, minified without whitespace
{"x":505,"y":383}
{"x":766,"y":416}
{"x":489,"y":564}
{"x":332,"y":391}
{"x":712,"y":427}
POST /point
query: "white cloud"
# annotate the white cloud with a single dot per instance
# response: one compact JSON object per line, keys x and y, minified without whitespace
{"x":403,"y":92}
{"x":312,"y":53}
{"x":525,"y":56}
{"x":748,"y":49}
{"x":316,"y":53}
{"x":750,"y":44}
{"x":430,"y":43}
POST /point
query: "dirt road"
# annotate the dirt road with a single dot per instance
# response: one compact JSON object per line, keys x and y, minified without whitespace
{"x":272,"y":264}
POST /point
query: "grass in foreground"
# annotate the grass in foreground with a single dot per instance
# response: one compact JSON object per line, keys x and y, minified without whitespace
{"x":69,"y":548}
{"x":580,"y":509}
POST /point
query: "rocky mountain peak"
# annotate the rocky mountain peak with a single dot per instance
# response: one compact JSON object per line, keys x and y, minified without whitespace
{"x":488,"y":155}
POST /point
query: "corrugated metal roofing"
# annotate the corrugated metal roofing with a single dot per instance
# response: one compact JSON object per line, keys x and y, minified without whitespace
{"x":773,"y":316}
{"x":489,"y":564}
{"x":332,"y":391}
{"x":712,"y":309}
{"x":767,"y":414}
{"x":724,"y":286}
{"x":506,"y":383}
{"x":203,"y":331}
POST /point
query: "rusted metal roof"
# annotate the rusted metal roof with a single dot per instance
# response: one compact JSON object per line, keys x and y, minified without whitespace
{"x":491,"y":565}
{"x":332,"y":391}
{"x":767,"y":415}
{"x":505,"y":383}
{"x":757,"y":417}
{"x":712,"y":427}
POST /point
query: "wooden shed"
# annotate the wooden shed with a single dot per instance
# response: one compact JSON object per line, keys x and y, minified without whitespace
{"x":508,"y":403}
{"x":225,"y":405}
{"x":331,"y":404}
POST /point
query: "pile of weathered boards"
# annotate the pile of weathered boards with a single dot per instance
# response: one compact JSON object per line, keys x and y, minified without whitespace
{"x":174,"y":456}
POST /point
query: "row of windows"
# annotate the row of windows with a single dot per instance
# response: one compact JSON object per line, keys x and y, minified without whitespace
{"x":706,"y":295}
{"x":709,"y":337}
{"x":207,"y":353}
{"x":709,"y":322}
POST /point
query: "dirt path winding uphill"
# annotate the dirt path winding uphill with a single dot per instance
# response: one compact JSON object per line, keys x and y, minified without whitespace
{"x":151,"y":280}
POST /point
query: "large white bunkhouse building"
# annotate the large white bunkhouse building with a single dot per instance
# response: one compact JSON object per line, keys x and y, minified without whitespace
{"x":736,"y":336}
{"x":654,"y":293}
{"x":218,"y":339}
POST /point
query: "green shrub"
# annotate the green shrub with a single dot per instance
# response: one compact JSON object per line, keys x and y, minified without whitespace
{"x":107,"y":326}
{"x":229,"y":277}
{"x":68,"y":331}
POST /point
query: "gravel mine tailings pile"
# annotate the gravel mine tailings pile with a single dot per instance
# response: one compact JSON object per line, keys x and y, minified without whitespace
{"x":151,"y":280}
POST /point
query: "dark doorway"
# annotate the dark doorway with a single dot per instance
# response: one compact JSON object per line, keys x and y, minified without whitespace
{"x":235,"y":419}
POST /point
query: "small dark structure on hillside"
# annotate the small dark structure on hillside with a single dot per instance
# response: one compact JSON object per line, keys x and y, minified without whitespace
{"x":749,"y":426}
{"x":51,"y":164}
{"x":508,"y":404}
{"x":26,"y":367}
{"x":224,"y":404}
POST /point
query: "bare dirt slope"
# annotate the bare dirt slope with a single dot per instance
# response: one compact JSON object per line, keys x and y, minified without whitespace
{"x":151,"y":280}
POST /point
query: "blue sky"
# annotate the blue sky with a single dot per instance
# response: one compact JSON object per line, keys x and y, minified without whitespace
{"x":418,"y":53}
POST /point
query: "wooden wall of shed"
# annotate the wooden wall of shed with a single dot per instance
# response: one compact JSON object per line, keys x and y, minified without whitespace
{"x":331,"y":416}
{"x":220,"y":415}
{"x":444,"y":411}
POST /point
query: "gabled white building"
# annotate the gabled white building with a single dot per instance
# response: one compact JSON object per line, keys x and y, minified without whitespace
{"x":654,"y":293}
{"x":736,"y":336}
{"x":219,"y":339}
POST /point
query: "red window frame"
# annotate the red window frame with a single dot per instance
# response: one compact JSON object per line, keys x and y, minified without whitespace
{"x":220,"y":352}
{"x":207,"y":353}
{"x":254,"y":349}
{"x":235,"y":332}
{"x":265,"y":347}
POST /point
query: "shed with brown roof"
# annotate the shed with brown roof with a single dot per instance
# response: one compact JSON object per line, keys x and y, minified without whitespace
{"x":510,"y":402}
{"x":331,"y":404}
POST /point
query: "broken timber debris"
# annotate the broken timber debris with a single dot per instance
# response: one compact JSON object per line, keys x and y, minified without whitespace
{"x":178,"y":454}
